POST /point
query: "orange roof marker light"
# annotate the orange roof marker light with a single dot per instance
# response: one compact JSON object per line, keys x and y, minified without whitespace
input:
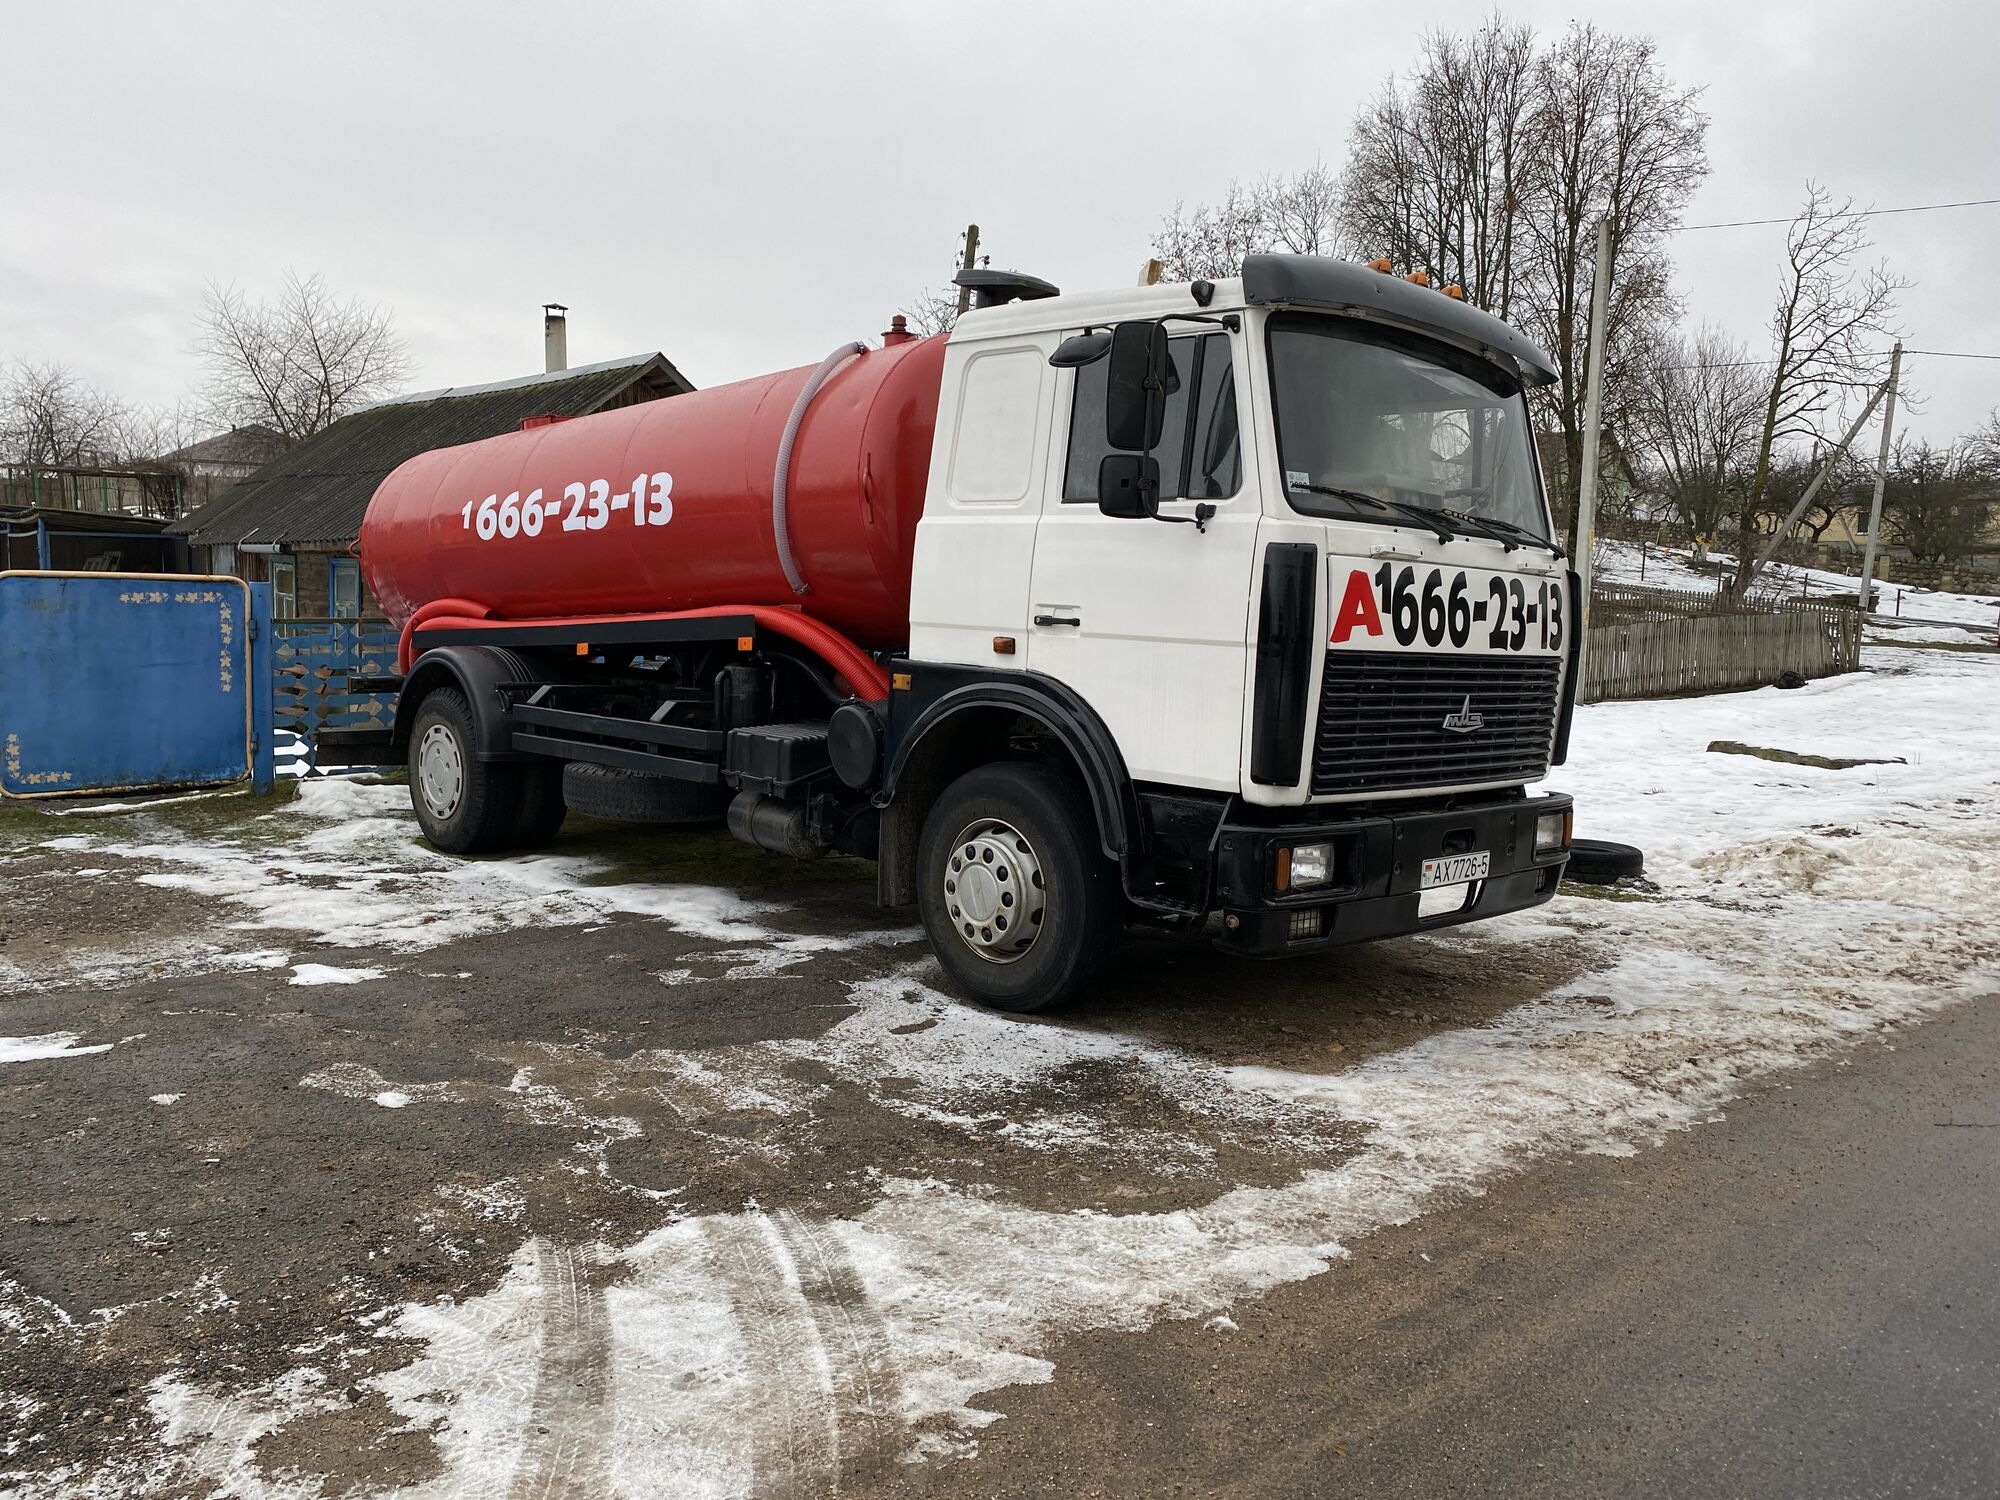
{"x":1381,"y":265}
{"x":1418,"y":278}
{"x":1455,"y":292}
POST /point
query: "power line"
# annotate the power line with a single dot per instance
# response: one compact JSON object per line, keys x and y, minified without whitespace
{"x":1745,"y":364}
{"x":1859,"y":213}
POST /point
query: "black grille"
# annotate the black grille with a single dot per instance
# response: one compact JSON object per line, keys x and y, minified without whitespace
{"x":1381,"y":720}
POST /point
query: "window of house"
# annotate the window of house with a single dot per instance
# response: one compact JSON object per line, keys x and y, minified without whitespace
{"x":344,"y":588}
{"x":284,"y":589}
{"x":1200,"y":449}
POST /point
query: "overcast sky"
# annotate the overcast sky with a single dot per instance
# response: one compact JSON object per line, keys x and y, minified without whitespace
{"x":743,"y":186}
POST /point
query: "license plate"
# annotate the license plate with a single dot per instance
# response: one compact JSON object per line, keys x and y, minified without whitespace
{"x":1456,"y":869}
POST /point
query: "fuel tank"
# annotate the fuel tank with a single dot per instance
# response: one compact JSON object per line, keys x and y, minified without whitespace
{"x":666,"y":505}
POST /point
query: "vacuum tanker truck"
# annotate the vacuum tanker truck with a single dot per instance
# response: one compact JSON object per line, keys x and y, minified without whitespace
{"x":1232,"y":603}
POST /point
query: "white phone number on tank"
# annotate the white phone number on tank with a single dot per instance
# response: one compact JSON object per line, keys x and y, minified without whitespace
{"x":591,"y":505}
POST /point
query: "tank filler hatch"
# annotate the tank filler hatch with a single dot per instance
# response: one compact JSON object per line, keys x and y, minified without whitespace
{"x":992,"y":288}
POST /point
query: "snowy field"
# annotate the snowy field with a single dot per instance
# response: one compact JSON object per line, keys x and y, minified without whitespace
{"x":1667,"y":569}
{"x":757,"y":1347}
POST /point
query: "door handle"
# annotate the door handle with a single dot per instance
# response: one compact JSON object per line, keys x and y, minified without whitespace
{"x":1057,"y":620}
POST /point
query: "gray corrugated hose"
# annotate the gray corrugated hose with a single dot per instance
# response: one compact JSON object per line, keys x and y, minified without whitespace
{"x":780,"y":481}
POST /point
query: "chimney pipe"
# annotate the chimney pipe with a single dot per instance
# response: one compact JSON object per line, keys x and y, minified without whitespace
{"x":555,"y":337}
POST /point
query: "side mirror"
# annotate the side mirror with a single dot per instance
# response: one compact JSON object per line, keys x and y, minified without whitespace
{"x":1128,"y":486}
{"x":1081,"y":349}
{"x":1135,"y":399}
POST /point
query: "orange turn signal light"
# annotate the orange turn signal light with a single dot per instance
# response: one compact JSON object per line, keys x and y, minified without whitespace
{"x":1418,"y":278}
{"x":583,"y":648}
{"x":746,"y":643}
{"x":1281,"y":879}
{"x":1381,"y":264}
{"x":1003,"y":645}
{"x":1455,"y":292}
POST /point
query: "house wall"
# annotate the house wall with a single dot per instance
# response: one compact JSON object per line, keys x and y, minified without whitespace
{"x":311,"y":570}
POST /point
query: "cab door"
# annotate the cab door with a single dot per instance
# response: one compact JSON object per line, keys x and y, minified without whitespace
{"x":1148,"y":619}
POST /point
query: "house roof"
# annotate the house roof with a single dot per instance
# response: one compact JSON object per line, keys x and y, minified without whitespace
{"x":320,"y":488}
{"x":255,"y":444}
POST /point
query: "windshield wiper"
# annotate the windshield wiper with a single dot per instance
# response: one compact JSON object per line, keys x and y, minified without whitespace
{"x":1425,"y":518}
{"x":1494,"y":523}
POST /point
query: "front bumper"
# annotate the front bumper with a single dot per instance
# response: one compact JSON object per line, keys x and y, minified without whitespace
{"x":1377,"y":870}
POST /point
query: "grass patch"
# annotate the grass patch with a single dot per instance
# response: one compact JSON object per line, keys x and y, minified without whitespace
{"x":1602,"y":892}
{"x":1976,"y":647}
{"x":197,"y":813}
{"x":1797,"y":758}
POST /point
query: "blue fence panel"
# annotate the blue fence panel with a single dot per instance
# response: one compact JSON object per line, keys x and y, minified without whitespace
{"x":313,"y":660}
{"x":115,"y":681}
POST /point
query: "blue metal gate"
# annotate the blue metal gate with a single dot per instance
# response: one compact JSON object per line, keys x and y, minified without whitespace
{"x":117,"y":681}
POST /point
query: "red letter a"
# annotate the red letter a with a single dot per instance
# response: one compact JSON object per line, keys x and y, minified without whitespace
{"x":1357,"y":609}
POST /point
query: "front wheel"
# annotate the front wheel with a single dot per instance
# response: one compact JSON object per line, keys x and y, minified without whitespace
{"x":1020,"y":905}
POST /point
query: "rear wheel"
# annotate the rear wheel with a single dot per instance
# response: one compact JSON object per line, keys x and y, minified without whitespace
{"x":542,"y":808}
{"x":1021,"y":907}
{"x":466,"y":805}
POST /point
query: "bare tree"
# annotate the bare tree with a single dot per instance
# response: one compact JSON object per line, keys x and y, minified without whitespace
{"x":1939,"y":501}
{"x":932,"y":311}
{"x":1609,"y":135}
{"x":52,"y":417}
{"x":1490,"y":165}
{"x":1299,"y":213}
{"x":1828,"y":329}
{"x":1435,"y":172}
{"x":153,"y":432}
{"x":1694,"y":412}
{"x":300,"y":363}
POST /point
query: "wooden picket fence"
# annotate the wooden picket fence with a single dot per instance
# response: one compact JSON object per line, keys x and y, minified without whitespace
{"x":1657,"y":643}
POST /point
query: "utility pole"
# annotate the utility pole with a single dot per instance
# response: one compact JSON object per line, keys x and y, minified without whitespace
{"x":971,"y":259}
{"x":1886,"y":390}
{"x":1881,"y":476}
{"x":1593,"y":420}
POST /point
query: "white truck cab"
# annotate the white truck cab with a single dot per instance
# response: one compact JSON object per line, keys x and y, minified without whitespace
{"x":1313,"y":588}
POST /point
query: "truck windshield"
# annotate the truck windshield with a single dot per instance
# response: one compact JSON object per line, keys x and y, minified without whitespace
{"x":1395,"y":417}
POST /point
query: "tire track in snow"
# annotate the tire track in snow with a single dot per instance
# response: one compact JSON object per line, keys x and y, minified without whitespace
{"x":565,"y":1446}
{"x":821,"y":1353}
{"x":854,"y":1336}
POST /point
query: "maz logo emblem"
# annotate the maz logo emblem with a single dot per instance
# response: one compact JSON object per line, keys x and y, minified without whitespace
{"x":1465,"y":720}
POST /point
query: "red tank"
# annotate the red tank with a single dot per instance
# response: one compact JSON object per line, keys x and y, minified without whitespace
{"x":667,"y":505}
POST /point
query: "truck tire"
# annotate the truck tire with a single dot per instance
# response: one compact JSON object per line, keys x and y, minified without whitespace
{"x":542,"y":808}
{"x":622,"y":796}
{"x":1600,"y":862}
{"x":466,"y":805}
{"x":1021,"y":906}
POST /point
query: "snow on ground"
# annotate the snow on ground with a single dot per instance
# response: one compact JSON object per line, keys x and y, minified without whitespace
{"x":331,"y":974}
{"x":54,"y":1044}
{"x":1789,"y":911}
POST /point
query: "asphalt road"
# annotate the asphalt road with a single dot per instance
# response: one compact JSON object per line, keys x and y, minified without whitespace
{"x":1801,"y":1300}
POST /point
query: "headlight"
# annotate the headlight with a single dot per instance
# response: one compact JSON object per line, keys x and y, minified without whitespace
{"x":1551,"y":832}
{"x":1312,"y":864}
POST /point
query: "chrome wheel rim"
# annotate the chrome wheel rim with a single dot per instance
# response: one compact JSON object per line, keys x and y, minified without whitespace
{"x":994,"y":891}
{"x":440,"y":771}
